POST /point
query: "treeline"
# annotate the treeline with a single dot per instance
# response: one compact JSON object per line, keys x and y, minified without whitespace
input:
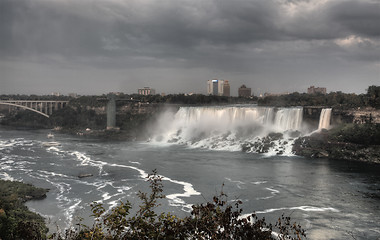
{"x":364,"y":134}
{"x":79,"y":117}
{"x":338,"y":100}
{"x":25,"y":119}
{"x":100,"y":100}
{"x":194,"y":99}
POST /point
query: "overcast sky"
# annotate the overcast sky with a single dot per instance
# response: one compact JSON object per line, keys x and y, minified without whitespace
{"x":175,"y":46}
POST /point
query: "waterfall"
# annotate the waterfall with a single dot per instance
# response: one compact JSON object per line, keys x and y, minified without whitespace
{"x":324,"y":119}
{"x":225,"y":128}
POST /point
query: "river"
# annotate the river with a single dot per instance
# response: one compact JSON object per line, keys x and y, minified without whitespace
{"x":331,"y":199}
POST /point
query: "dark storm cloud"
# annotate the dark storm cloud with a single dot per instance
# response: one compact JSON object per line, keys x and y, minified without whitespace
{"x":241,"y":37}
{"x":130,"y":27}
{"x":358,"y":17}
{"x":37,"y":27}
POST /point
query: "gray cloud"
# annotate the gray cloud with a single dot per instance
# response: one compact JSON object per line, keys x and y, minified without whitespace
{"x":245,"y":40}
{"x":358,"y":17}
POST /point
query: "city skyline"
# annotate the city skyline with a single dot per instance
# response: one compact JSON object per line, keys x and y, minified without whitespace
{"x":95,"y":47}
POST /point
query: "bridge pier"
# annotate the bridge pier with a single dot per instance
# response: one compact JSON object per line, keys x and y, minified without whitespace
{"x":50,"y":108}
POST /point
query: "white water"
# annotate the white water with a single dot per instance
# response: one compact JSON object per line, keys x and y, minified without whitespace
{"x":324,"y":119}
{"x":227,"y":128}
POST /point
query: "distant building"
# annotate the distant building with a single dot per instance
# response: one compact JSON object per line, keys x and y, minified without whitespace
{"x":73,"y":95}
{"x":57,"y":94}
{"x":218,"y":87}
{"x":313,"y":90}
{"x":243,"y":91}
{"x":226,"y":88}
{"x":146,"y":91}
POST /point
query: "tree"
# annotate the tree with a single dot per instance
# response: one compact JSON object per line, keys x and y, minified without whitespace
{"x":373,"y":93}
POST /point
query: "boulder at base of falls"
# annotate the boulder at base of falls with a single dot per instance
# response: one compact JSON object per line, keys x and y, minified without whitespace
{"x":263,"y":145}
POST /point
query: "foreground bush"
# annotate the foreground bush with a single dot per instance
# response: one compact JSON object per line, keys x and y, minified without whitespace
{"x":16,"y":221}
{"x":213,"y":220}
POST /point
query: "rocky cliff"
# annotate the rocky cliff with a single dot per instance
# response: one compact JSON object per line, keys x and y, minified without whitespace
{"x":355,"y":142}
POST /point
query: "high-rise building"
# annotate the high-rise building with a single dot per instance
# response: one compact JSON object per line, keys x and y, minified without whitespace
{"x":226,"y":88}
{"x":313,"y":90}
{"x":146,"y":91}
{"x":218,"y":87}
{"x":243,"y":91}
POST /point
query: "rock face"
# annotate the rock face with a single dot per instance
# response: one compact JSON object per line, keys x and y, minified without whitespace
{"x":322,"y":145}
{"x":262,"y":145}
{"x":366,"y":115}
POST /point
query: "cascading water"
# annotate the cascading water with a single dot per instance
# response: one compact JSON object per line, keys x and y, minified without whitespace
{"x":228,"y":128}
{"x":324,"y":119}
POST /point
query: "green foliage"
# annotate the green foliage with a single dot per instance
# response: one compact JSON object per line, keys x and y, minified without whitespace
{"x":81,"y":117}
{"x":16,"y":221}
{"x":89,"y":101}
{"x":213,"y":220}
{"x":26,"y":118}
{"x":373,"y":94}
{"x":365,"y":134}
{"x":338,"y":100}
{"x":133,"y":123}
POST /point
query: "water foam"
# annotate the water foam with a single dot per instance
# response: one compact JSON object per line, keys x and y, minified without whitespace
{"x":174,"y":199}
{"x":302,"y":208}
{"x":272,"y":191}
{"x":228,"y":128}
{"x":238,"y":183}
{"x":6,"y":176}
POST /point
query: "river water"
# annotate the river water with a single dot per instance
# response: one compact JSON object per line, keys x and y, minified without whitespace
{"x":331,"y":199}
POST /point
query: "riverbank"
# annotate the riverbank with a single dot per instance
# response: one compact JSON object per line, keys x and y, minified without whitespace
{"x":16,"y":221}
{"x":352,"y":142}
{"x":104,"y":134}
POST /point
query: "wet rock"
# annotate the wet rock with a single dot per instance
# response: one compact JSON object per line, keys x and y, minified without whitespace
{"x":321,"y":154}
{"x":275,"y":136}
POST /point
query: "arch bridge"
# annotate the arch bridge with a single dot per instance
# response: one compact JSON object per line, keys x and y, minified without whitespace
{"x":43,"y":107}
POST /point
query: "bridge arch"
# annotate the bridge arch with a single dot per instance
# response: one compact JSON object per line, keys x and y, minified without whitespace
{"x":25,"y":107}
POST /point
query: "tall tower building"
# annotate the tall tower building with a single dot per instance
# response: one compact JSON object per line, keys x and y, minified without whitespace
{"x":218,"y":87}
